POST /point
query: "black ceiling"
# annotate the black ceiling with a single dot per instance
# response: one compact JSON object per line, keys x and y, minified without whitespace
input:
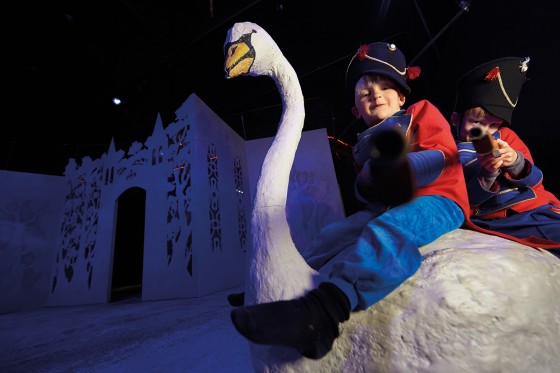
{"x":64,"y":61}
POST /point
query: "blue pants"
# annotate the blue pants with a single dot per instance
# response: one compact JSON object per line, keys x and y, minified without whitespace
{"x":368,"y":256}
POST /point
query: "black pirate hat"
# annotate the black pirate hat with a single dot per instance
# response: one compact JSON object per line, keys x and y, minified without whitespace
{"x":380,"y":58}
{"x":494,"y":86}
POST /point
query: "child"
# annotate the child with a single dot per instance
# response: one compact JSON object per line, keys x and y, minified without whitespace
{"x":366,"y":256}
{"x":505,"y":187}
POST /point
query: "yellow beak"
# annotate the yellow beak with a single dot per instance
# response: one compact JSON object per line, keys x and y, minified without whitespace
{"x":238,"y":60}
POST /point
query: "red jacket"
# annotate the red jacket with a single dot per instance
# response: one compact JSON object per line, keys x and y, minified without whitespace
{"x":429,"y":130}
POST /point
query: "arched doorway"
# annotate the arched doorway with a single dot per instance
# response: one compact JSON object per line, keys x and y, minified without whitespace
{"x":128,"y":257}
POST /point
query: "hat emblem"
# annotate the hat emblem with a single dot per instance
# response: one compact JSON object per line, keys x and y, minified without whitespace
{"x":524,"y":66}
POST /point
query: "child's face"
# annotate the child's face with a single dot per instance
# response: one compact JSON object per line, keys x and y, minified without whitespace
{"x":376,"y":98}
{"x":476,"y":117}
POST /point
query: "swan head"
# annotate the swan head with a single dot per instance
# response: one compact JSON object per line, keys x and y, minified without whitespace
{"x":249,"y":50}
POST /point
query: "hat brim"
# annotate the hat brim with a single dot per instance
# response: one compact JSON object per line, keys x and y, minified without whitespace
{"x":499,"y":112}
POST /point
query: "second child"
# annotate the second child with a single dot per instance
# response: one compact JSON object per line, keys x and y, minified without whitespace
{"x":505,"y":187}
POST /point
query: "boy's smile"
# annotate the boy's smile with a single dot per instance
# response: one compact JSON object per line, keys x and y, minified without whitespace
{"x":376,"y":98}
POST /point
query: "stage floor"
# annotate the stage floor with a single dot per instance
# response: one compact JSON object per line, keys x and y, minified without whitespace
{"x":183,"y":335}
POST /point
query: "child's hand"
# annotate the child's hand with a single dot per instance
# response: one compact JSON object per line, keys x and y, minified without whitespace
{"x":507,"y":154}
{"x":490,"y":163}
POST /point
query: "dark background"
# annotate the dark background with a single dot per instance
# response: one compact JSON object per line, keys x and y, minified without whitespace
{"x":63,"y":62}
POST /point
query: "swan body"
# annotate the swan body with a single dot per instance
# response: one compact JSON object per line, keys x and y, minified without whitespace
{"x":478,"y":303}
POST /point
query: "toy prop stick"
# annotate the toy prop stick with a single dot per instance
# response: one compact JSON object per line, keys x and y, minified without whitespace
{"x":483,"y":142}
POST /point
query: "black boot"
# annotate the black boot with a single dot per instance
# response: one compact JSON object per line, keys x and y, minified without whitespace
{"x":390,"y":170}
{"x":236,"y":299}
{"x":309,"y":324}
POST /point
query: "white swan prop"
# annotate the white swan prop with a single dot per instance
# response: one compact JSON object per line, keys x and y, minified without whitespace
{"x":478,"y":303}
{"x":251,"y":51}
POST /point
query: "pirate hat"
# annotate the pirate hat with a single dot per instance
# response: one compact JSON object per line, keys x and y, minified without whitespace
{"x":494,"y":86}
{"x":380,"y":58}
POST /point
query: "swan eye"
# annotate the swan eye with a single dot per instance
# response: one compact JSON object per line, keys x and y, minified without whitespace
{"x":230,"y":49}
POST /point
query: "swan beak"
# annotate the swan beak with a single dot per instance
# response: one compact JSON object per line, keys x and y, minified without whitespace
{"x":240,"y":58}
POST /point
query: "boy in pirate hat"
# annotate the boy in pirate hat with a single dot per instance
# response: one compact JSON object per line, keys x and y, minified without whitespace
{"x":506,"y":193}
{"x":366,"y":256}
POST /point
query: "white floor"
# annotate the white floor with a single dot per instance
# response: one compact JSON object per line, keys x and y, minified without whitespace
{"x":185,"y":335}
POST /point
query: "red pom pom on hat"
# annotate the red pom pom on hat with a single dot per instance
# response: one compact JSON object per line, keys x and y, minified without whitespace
{"x":492,"y":74}
{"x":413,"y":72}
{"x":362,"y":52}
